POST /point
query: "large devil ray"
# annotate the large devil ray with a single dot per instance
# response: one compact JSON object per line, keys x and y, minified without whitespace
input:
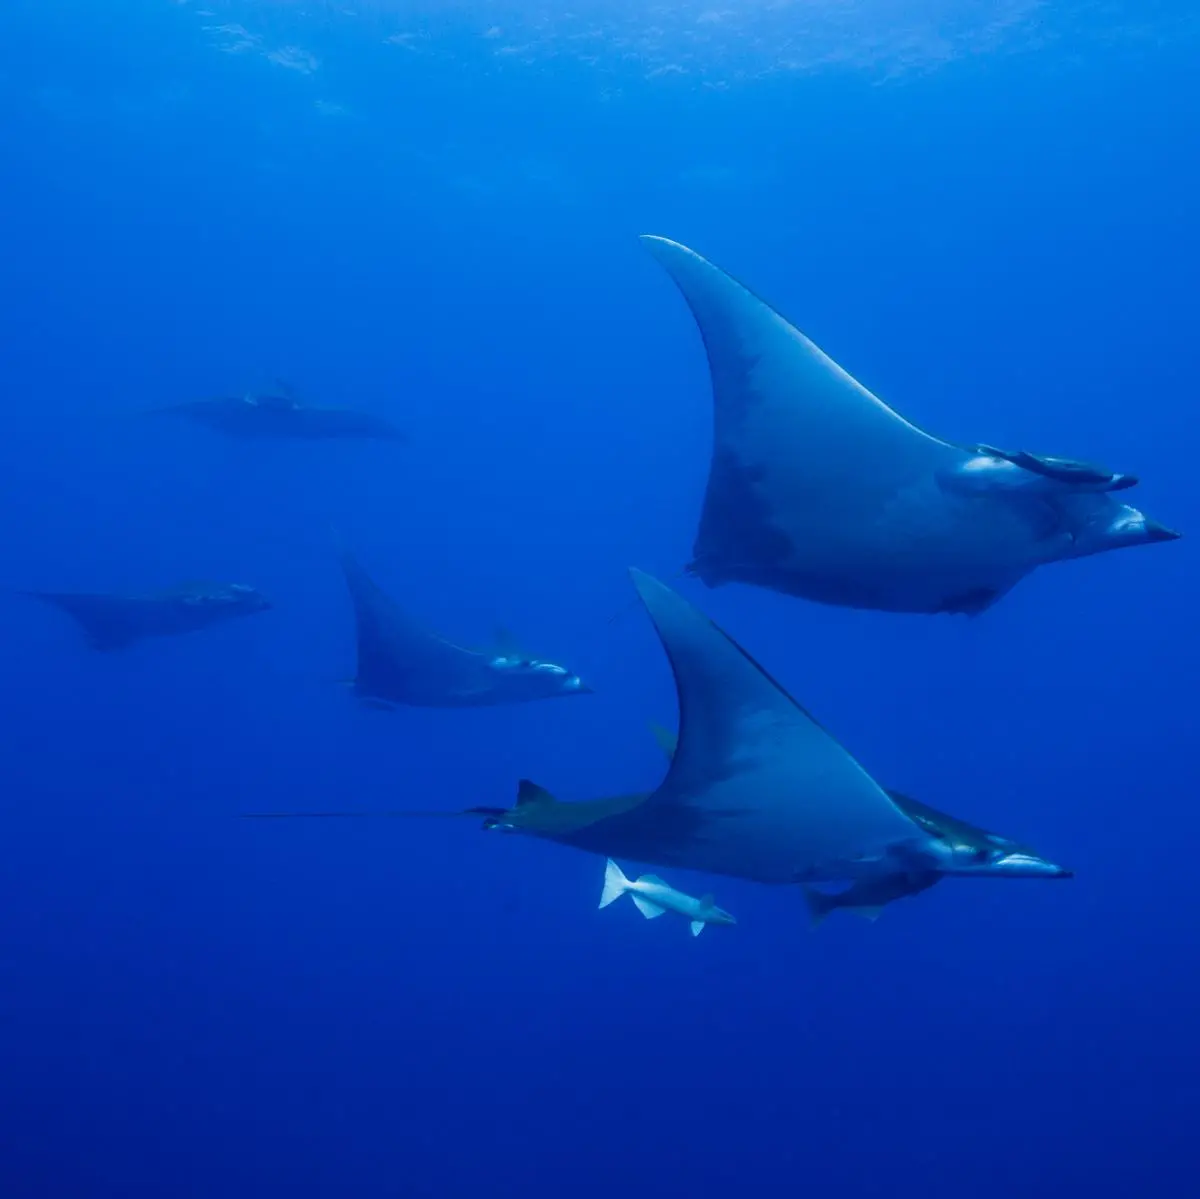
{"x":758,"y":789}
{"x":402,"y":663}
{"x":819,"y":489}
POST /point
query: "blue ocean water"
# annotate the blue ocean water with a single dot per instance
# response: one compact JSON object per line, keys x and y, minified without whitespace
{"x":986,"y":212}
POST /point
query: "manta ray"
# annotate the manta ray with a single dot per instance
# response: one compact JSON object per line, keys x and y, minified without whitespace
{"x":818,"y":489}
{"x":111,"y":622}
{"x":757,"y":789}
{"x":401,"y":663}
{"x":277,"y":414}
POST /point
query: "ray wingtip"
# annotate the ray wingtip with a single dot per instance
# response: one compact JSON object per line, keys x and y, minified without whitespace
{"x":657,"y":598}
{"x":642,"y":582}
{"x":664,"y":247}
{"x":336,"y":541}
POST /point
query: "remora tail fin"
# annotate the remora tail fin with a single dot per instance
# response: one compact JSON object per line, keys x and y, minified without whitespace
{"x":615,"y":884}
{"x":820,"y":905}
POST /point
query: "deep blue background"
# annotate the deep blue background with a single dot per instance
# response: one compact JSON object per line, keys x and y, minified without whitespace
{"x":1003,"y":244}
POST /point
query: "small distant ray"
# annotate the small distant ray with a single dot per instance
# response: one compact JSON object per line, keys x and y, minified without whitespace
{"x":401,"y":663}
{"x":112,"y":622}
{"x":277,"y":414}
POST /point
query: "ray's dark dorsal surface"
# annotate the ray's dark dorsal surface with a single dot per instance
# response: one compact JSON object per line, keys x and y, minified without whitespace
{"x":818,"y":489}
{"x":114,"y":621}
{"x":277,"y":414}
{"x":401,"y":663}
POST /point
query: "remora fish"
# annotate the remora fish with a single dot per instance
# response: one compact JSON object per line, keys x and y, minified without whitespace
{"x":869,"y":896}
{"x":652,"y":897}
{"x":818,"y":489}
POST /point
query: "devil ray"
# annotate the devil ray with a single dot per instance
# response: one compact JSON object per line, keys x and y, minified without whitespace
{"x":401,"y":663}
{"x":277,"y":414}
{"x":757,"y":789}
{"x":111,"y":622}
{"x":818,"y":489}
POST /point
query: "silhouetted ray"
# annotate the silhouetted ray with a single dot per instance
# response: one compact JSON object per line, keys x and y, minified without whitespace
{"x":277,"y":414}
{"x":402,"y":663}
{"x":113,"y":621}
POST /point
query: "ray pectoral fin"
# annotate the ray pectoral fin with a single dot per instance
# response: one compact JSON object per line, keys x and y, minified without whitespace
{"x":399,"y":660}
{"x":805,"y":459}
{"x":732,"y":713}
{"x":108,"y":622}
{"x":756,"y":787}
{"x":718,"y":686}
{"x":777,"y":395}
